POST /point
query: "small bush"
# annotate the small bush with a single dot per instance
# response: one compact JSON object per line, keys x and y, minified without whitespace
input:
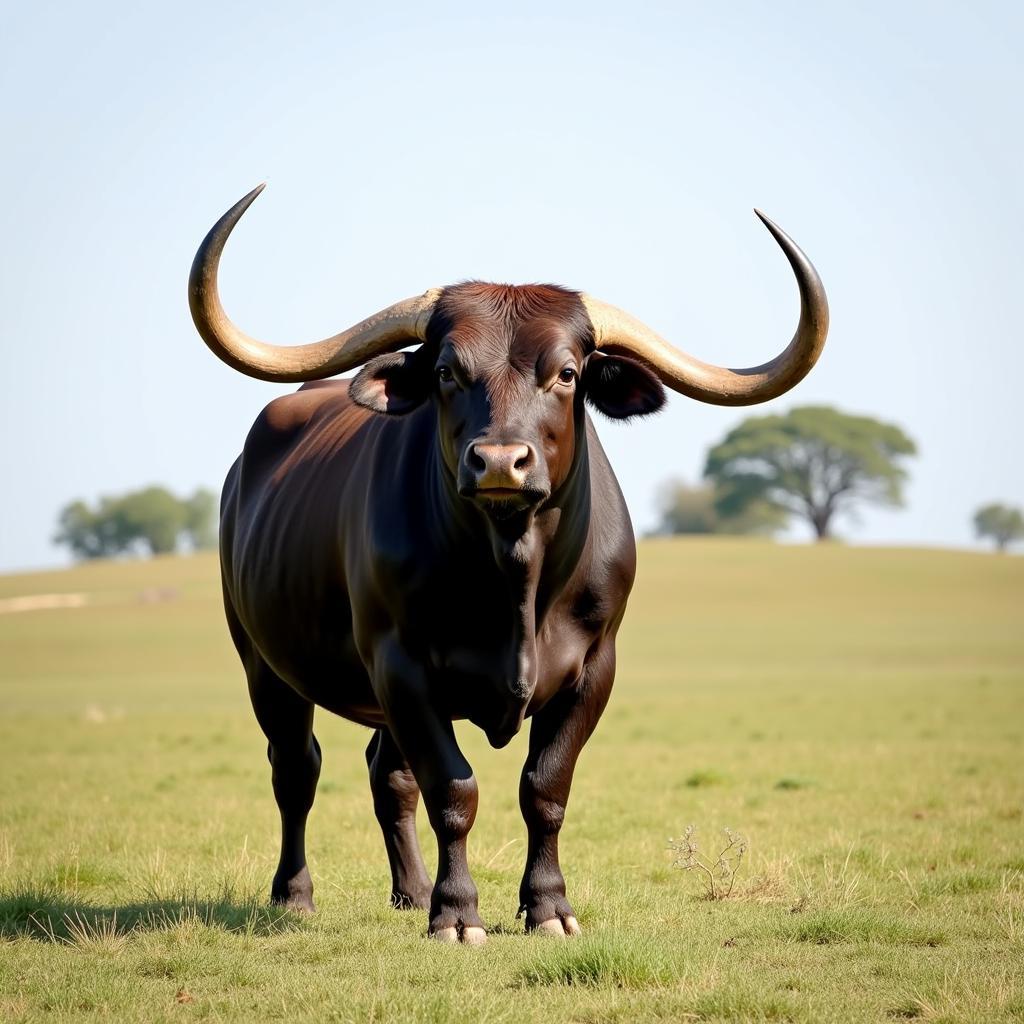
{"x":718,"y":876}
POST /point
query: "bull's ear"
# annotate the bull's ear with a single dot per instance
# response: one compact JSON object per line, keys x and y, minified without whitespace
{"x":621,"y":387}
{"x":394,"y":384}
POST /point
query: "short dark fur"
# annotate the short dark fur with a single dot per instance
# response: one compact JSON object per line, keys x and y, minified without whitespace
{"x":467,"y":554}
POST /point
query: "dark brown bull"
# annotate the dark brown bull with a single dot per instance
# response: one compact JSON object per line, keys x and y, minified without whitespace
{"x":442,"y":538}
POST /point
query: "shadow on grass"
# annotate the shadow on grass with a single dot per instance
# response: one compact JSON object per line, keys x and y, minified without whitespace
{"x":51,"y":915}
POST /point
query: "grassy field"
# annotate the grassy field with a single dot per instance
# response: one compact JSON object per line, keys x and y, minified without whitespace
{"x":858,"y":714}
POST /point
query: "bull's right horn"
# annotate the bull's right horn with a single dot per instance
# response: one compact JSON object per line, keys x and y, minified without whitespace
{"x":616,"y":330}
{"x":404,"y":323}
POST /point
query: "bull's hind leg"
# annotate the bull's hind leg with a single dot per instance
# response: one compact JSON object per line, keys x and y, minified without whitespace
{"x":395,"y":797}
{"x":557,"y":736}
{"x":287,"y":721}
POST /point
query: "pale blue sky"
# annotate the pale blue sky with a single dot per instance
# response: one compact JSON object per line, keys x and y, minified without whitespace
{"x":614,"y":148}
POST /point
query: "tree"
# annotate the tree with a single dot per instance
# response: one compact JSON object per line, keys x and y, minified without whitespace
{"x":201,"y":519}
{"x":1001,"y":523}
{"x":152,"y":520}
{"x":814,"y":462}
{"x":78,"y":526}
{"x":693,"y":509}
{"x":153,"y":517}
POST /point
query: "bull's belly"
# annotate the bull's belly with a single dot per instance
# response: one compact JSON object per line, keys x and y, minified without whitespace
{"x":316,"y":659}
{"x":341,"y":685}
{"x":336,"y":684}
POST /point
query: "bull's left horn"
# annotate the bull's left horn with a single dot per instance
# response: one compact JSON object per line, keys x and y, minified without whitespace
{"x":404,"y":323}
{"x":616,"y":330}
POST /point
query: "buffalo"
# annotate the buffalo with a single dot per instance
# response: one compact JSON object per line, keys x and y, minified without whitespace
{"x":441,"y":537}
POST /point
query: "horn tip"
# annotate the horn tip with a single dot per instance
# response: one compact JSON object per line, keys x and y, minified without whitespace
{"x":776,"y":232}
{"x":244,"y":203}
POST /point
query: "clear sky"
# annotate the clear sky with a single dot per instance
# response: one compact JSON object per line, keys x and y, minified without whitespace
{"x":617,"y":149}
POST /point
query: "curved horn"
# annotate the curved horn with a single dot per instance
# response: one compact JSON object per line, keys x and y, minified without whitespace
{"x":616,"y":330}
{"x":393,"y":328}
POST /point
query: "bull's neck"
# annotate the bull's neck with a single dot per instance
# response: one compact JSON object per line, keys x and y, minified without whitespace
{"x":536,"y":551}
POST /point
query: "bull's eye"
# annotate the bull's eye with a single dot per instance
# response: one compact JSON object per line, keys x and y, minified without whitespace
{"x":445,"y":375}
{"x":567,"y":376}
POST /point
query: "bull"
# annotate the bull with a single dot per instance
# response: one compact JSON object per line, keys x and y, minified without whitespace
{"x":439,"y":538}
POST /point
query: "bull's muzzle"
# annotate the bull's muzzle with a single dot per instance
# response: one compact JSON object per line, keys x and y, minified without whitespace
{"x":499,"y":467}
{"x":501,"y":475}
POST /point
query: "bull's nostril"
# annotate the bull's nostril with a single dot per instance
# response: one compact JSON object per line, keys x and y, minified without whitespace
{"x":524,"y":458}
{"x":475,"y":460}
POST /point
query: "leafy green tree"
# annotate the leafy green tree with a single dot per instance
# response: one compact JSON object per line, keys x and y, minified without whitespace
{"x":79,"y":528}
{"x":1003,"y":524}
{"x":152,"y":520}
{"x":153,"y":516}
{"x":813,"y":462}
{"x":687,"y":509}
{"x":201,"y":519}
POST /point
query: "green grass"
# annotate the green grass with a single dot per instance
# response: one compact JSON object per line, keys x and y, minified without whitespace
{"x":857,"y":714}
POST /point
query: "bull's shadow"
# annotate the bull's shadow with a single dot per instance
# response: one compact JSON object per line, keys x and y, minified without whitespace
{"x":49,"y":915}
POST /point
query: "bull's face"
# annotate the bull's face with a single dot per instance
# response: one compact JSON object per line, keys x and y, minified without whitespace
{"x":508,"y":370}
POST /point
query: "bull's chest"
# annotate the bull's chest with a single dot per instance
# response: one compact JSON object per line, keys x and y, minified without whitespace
{"x":493,"y":650}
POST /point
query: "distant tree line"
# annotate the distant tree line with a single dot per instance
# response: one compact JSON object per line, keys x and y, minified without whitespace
{"x":150,"y":521}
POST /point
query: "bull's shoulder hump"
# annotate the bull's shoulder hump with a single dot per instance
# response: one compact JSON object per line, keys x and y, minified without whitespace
{"x":284,"y":418}
{"x":291,"y":412}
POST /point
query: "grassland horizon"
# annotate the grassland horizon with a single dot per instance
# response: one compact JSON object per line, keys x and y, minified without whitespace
{"x":855,"y":712}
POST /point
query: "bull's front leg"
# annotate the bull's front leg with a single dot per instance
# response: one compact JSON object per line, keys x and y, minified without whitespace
{"x":427,"y":742}
{"x":559,"y":731}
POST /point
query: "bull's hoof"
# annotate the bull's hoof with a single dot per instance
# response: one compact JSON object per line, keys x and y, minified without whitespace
{"x":549,"y":913}
{"x":468,"y":936}
{"x":561,"y":927}
{"x":455,"y":918}
{"x":295,"y":893}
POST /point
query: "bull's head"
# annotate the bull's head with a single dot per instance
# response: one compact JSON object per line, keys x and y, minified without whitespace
{"x":508,"y":368}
